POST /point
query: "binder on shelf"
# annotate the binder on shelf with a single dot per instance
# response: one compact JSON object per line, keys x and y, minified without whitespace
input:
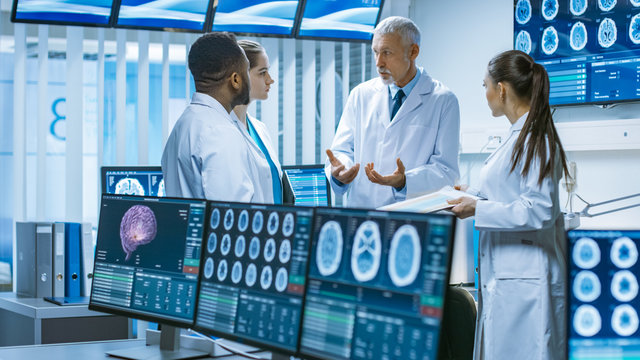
{"x":72,"y":265}
{"x":58,"y":259}
{"x":87,"y":258}
{"x":44,"y":258}
{"x":26,"y":261}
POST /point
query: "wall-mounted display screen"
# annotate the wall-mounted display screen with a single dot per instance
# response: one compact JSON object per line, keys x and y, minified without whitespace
{"x":340,"y":20}
{"x":133,"y":180}
{"x":591,"y":49}
{"x":188,"y":15}
{"x":603,"y":295}
{"x":256,"y":17}
{"x":63,"y":12}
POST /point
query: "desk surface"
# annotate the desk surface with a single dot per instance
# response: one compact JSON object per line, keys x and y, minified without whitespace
{"x":85,"y":351}
{"x":38,"y":308}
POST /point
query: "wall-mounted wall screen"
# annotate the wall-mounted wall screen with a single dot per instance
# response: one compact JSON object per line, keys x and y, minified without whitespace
{"x":256,"y":17}
{"x":63,"y":12}
{"x":340,"y":20}
{"x":186,"y":15}
{"x":591,"y":49}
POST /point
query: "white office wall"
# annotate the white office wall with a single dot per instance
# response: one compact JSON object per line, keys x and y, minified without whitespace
{"x":459,"y":37}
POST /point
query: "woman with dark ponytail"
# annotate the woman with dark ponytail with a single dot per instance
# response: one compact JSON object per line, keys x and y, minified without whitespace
{"x":522,"y":276}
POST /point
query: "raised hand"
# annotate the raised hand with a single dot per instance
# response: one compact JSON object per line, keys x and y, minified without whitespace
{"x":338,"y":170}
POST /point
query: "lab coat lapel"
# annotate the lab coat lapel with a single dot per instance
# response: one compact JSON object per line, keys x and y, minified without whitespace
{"x":381,"y":99}
{"x":416,"y":98}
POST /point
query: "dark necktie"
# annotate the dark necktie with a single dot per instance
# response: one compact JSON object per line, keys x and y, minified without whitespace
{"x":397,"y":102}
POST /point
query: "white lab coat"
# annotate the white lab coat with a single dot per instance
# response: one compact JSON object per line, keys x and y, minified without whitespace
{"x":208,"y":157}
{"x":263,"y":133}
{"x":522,"y":274}
{"x":424,"y":134}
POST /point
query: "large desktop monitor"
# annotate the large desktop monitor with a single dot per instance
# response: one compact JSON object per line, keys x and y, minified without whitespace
{"x":339,"y":20}
{"x":256,"y":17}
{"x":63,"y":12}
{"x":590,"y":48}
{"x":376,"y":284}
{"x":603,"y":295}
{"x":305,"y":185}
{"x":147,"y":258}
{"x":178,"y":15}
{"x":253,"y":273}
{"x":133,"y":180}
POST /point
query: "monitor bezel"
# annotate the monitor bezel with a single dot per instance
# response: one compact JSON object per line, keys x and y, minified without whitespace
{"x":327,"y":38}
{"x":235,"y":337}
{"x":105,"y":169}
{"x":14,"y":9}
{"x":145,"y":316}
{"x":452,"y":222}
{"x":294,"y":28}
{"x":207,"y":15}
{"x":285,"y":177}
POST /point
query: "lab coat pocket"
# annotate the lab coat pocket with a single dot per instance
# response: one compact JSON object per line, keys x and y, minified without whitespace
{"x":517,"y":255}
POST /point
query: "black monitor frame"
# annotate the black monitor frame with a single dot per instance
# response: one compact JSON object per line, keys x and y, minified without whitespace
{"x":105,"y":169}
{"x":262,"y":345}
{"x":136,"y":315}
{"x":326,"y":38}
{"x":287,"y":192}
{"x":453,"y":222}
{"x":14,"y":9}
{"x":205,"y":26}
{"x":294,"y":28}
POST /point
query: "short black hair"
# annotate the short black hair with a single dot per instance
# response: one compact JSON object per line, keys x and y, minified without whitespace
{"x":214,"y":57}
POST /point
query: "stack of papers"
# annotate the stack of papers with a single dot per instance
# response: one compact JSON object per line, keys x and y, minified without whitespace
{"x":430,"y":202}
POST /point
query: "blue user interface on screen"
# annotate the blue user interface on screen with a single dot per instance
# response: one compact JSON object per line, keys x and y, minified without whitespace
{"x":128,"y":181}
{"x":603,"y":295}
{"x":308,"y":185}
{"x":591,"y":49}
{"x":65,"y":11}
{"x":254,"y":272}
{"x":345,"y":19}
{"x":182,"y":14}
{"x":148,"y":256}
{"x":376,"y":284}
{"x":266,"y":17}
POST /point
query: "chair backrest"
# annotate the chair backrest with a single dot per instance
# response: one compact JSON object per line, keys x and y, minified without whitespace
{"x":458,"y":325}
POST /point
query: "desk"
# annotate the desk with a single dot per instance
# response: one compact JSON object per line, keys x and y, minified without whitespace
{"x":27,"y":321}
{"x":84,"y":351}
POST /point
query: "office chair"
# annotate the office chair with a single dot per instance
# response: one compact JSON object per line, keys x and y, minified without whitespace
{"x":458,"y":325}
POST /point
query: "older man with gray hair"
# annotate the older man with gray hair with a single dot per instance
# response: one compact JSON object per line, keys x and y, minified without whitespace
{"x":403,"y":124}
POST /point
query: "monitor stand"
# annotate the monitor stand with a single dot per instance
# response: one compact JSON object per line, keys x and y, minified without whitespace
{"x":169,"y":348}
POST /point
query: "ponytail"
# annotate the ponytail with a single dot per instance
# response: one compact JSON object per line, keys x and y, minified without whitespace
{"x":530,"y":81}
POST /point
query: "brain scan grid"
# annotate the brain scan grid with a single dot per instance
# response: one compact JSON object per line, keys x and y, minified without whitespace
{"x":259,"y":256}
{"x":603,"y":300}
{"x":368,"y":269}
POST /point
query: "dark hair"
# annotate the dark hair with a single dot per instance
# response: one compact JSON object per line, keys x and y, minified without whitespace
{"x":252,"y":49}
{"x":213,"y":58}
{"x":530,"y":81}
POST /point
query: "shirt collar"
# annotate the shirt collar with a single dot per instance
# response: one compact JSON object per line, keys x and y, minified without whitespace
{"x":204,"y":99}
{"x":517,"y":126}
{"x":393,"y":88}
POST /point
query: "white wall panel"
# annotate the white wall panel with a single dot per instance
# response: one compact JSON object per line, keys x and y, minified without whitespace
{"x":327,"y":95}
{"x":166,"y":127}
{"x":42,"y":122}
{"x":100,"y":105}
{"x":346,"y":68}
{"x":143,"y":97}
{"x":270,"y":110}
{"x":121,"y":96}
{"x":308,"y":102}
{"x":289,"y":102}
{"x":74,"y":125}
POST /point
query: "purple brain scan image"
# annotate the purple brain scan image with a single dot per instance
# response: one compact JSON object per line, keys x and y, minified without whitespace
{"x":138,"y":227}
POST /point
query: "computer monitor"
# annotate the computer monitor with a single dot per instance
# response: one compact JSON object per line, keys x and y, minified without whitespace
{"x":339,"y":20}
{"x":60,"y":12}
{"x":133,"y":180}
{"x":147,"y":259}
{"x":179,"y":15}
{"x":253,"y":274}
{"x":376,"y":284}
{"x":305,"y":185}
{"x":603,"y":299}
{"x":256,"y":17}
